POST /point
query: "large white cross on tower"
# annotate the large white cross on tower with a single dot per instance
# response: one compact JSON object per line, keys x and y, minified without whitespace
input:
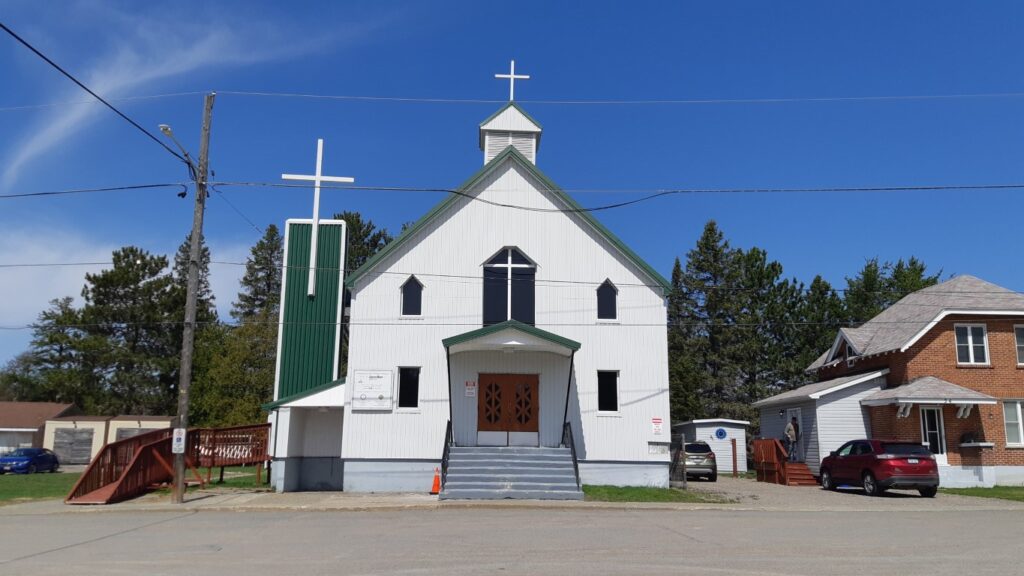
{"x":512,"y":77}
{"x":316,"y":179}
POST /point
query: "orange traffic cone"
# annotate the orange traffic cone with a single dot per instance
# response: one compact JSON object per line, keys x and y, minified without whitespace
{"x":436,"y":488}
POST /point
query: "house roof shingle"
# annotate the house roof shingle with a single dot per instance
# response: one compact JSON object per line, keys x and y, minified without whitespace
{"x":818,"y":389}
{"x":29,"y":415}
{"x":898,"y":324}
{"x":928,"y":389}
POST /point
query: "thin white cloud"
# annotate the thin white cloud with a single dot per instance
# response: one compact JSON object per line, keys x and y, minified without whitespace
{"x":224,"y":278}
{"x":147,"y":59}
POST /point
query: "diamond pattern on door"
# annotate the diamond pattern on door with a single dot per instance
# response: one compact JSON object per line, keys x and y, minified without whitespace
{"x":491,"y":403}
{"x":508,"y":403}
{"x":524,"y":403}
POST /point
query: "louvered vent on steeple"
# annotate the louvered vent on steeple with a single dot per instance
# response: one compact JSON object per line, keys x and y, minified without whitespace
{"x":510,"y":126}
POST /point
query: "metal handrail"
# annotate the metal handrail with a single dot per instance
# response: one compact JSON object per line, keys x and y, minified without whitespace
{"x":568,"y":440}
{"x":449,"y":440}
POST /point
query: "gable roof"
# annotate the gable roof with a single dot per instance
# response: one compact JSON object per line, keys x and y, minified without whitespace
{"x":900,"y":325}
{"x":29,"y":415}
{"x":512,"y":155}
{"x":819,"y":389}
{"x":501,"y":110}
{"x":551,"y":337}
{"x":928,"y":390}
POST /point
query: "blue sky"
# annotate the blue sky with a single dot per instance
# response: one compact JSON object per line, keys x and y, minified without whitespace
{"x":573,"y":51}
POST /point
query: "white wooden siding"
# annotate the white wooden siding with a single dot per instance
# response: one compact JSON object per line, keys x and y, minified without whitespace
{"x":511,"y":120}
{"x":774,"y":427}
{"x":456,"y":244}
{"x":841,"y":417}
{"x":721,"y":448}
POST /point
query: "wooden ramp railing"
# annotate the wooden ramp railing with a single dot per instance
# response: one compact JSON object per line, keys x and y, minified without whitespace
{"x":128,"y":468}
{"x":770,"y":460}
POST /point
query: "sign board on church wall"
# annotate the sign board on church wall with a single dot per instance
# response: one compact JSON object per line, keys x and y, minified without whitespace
{"x":372,"y":390}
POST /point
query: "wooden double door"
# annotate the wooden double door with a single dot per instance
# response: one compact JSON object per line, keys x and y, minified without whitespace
{"x":508,"y":403}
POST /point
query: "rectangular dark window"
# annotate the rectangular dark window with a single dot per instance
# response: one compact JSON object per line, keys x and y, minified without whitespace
{"x":608,"y":391}
{"x":495,"y":295}
{"x":1019,"y":332}
{"x":408,"y":387}
{"x":523,"y":294}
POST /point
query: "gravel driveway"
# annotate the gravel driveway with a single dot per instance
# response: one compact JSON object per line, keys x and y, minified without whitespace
{"x":750,"y":494}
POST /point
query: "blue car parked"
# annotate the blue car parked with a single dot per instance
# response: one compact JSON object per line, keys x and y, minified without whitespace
{"x":28,"y":460}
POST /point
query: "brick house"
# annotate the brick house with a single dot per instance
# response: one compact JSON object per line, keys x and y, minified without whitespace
{"x":944,"y":366}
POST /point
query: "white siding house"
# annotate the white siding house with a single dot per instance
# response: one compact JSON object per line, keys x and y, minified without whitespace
{"x":504,"y":297}
{"x":829,"y":413}
{"x":719,"y":434}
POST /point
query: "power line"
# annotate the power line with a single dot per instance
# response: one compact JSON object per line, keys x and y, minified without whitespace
{"x":77,"y":102}
{"x":183,"y":186}
{"x":94,"y":95}
{"x":477,"y":324}
{"x":652,"y":196}
{"x":222,"y":196}
{"x":605,"y":102}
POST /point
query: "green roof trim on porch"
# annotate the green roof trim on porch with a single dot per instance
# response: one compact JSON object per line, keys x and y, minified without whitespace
{"x":278,"y":403}
{"x":510,"y":153}
{"x":511,"y":325}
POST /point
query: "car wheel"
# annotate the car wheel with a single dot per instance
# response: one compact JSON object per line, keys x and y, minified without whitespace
{"x":826,"y":480}
{"x":31,"y":468}
{"x":871,"y":485}
{"x":929,"y":492}
{"x":55,"y":467}
{"x":713,"y":477}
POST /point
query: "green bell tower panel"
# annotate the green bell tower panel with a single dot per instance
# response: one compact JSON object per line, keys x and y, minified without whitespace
{"x":310,"y":328}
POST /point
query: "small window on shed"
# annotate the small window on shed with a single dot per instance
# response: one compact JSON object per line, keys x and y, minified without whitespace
{"x":606,"y":294}
{"x":607,"y":391}
{"x":408,"y":387}
{"x":412,"y":297}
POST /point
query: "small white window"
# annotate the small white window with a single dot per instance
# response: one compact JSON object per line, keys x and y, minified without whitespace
{"x":971,"y":344}
{"x":1014,"y":423}
{"x":1019,"y":332}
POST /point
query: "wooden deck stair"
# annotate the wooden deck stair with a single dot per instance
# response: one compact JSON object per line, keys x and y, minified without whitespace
{"x":798,"y":474}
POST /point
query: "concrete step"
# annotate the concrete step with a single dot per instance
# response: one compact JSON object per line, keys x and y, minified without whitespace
{"x":483,"y":494}
{"x":540,"y":457}
{"x":493,"y":485}
{"x":499,"y":470}
{"x":463,"y":477}
{"x":506,"y":450}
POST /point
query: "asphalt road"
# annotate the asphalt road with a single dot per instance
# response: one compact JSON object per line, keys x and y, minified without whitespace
{"x":519,"y":541}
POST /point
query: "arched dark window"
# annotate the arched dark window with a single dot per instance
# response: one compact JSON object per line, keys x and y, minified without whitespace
{"x":606,"y":294}
{"x":412,"y":297}
{"x":509,"y":287}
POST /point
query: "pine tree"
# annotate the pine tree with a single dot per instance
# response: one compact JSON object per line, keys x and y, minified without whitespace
{"x":902,"y":278}
{"x":261,"y":285}
{"x":127,"y":317}
{"x":205,"y":309}
{"x":865,"y":293}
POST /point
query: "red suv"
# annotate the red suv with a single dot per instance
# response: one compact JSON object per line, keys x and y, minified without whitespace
{"x":878,"y":465}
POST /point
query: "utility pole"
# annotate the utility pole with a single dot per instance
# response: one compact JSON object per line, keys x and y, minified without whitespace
{"x":189,"y":333}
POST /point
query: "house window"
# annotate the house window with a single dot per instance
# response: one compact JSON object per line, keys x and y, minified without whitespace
{"x":606,"y":301}
{"x":1019,"y":332}
{"x":971,"y":344}
{"x":607,"y":391}
{"x":509,"y":287}
{"x":1014,"y":422}
{"x":408,"y":387}
{"x":412,"y":297}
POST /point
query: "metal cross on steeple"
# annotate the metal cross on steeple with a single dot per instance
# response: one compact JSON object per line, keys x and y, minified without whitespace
{"x":512,"y":77}
{"x":316,"y":179}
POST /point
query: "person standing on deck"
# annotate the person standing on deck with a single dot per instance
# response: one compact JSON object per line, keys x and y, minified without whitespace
{"x":793,"y":438}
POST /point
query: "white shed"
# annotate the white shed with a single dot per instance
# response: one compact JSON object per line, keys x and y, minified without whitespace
{"x":719,"y":434}
{"x":829,"y":414}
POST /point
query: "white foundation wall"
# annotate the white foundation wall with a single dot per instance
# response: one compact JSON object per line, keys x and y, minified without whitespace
{"x":454,"y":246}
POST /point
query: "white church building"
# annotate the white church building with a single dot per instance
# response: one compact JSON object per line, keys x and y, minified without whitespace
{"x":507,"y":340}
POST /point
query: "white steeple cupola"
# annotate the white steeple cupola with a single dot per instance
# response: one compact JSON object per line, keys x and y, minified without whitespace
{"x":510,"y":126}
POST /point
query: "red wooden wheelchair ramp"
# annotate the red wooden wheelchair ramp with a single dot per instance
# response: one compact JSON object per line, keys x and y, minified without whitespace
{"x":128,"y":468}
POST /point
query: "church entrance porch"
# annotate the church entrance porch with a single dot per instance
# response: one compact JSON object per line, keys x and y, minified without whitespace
{"x":511,"y":384}
{"x":508,"y":410}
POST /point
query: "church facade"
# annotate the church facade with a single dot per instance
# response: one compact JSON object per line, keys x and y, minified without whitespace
{"x":505,"y":317}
